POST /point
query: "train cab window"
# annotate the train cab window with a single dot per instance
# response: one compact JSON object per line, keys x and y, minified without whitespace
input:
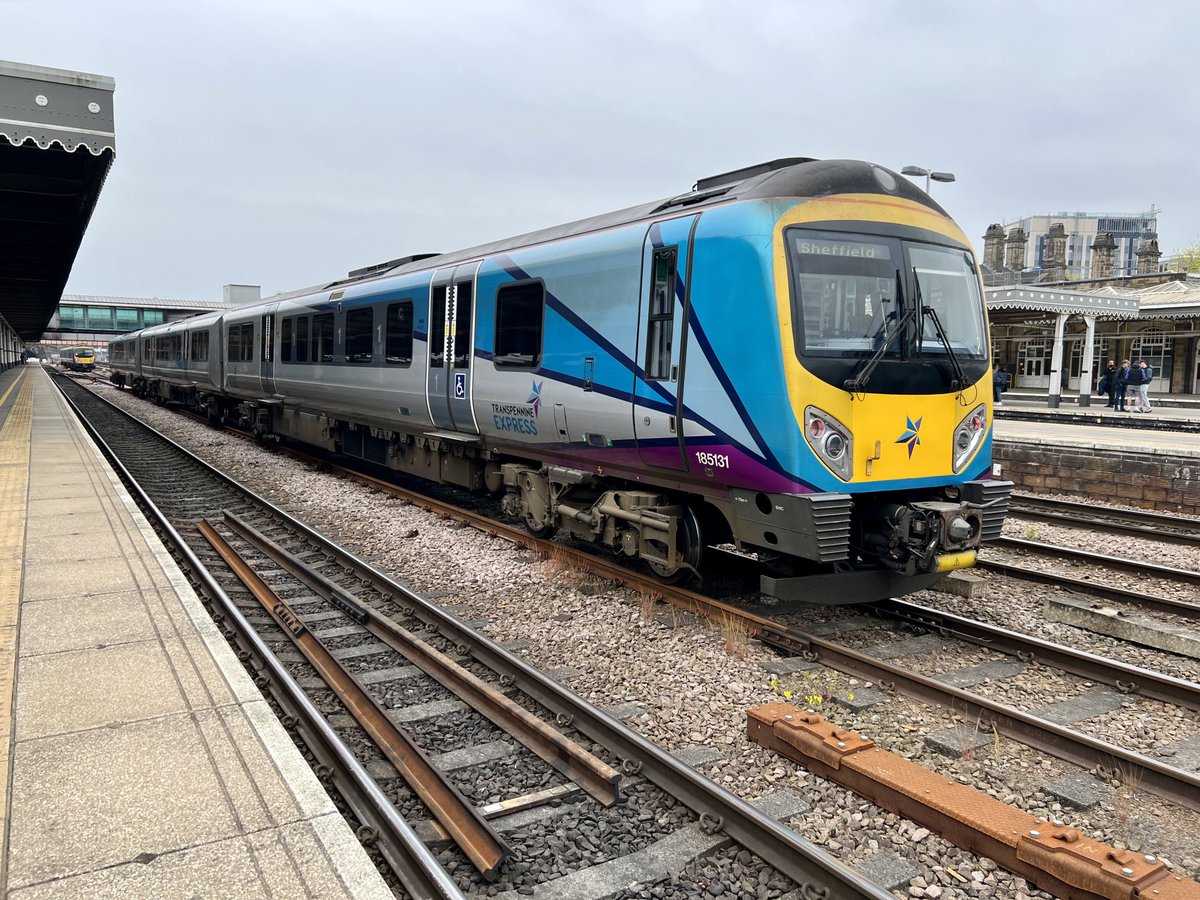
{"x":322,"y":338}
{"x":398,"y":347}
{"x":519,"y":314}
{"x":662,"y":314}
{"x":950,"y":299}
{"x":200,"y":346}
{"x":302,"y":339}
{"x":846,"y":288}
{"x":286,"y":327}
{"x":360,"y":333}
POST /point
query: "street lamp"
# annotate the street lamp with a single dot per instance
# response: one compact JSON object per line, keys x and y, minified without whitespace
{"x":936,"y":176}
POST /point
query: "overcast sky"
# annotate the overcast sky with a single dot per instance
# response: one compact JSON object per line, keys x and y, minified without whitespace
{"x":282,"y":144}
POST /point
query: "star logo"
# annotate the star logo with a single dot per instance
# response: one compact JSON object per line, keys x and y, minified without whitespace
{"x":912,"y":435}
{"x":535,"y":397}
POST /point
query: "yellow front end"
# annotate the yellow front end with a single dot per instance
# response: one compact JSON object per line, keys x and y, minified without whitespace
{"x":897,"y":438}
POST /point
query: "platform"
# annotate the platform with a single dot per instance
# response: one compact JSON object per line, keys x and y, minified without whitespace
{"x":1175,"y":425}
{"x":140,"y":759}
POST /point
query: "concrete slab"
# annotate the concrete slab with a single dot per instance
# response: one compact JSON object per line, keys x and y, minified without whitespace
{"x":995,"y":670}
{"x":788,"y":665}
{"x":960,"y":742}
{"x":1079,"y":790}
{"x":624,"y":711}
{"x":1101,"y":618}
{"x":384,"y":675}
{"x":886,"y":869}
{"x":841,"y":626}
{"x":961,"y":584}
{"x":66,"y":526}
{"x":70,"y":623}
{"x":858,"y":698}
{"x":698,"y":755}
{"x":1085,"y":706}
{"x":914,"y":646}
{"x":421,"y":711}
{"x":280,"y":863}
{"x":456,"y":760}
{"x":104,"y":576}
{"x":368,"y":649}
{"x":1185,"y":754}
{"x":563,"y":674}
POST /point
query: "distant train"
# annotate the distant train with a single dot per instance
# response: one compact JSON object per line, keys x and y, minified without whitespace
{"x":792,"y":358}
{"x":78,"y":359}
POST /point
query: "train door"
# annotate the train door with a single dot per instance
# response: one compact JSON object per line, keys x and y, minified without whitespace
{"x":451,"y":348}
{"x":266,"y":357}
{"x":662,"y":330}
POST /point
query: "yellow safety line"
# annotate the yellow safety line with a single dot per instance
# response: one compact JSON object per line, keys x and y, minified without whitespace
{"x":16,"y":381}
{"x":14,"y":500}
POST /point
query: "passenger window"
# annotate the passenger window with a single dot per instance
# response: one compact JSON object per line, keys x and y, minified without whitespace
{"x":360,"y":332}
{"x":462,"y":326}
{"x":519,"y":314}
{"x":200,"y":346}
{"x":322,"y":338}
{"x":662,"y":313}
{"x":399,"y":345}
{"x":437,"y":328}
{"x":302,"y":339}
{"x":286,"y":328}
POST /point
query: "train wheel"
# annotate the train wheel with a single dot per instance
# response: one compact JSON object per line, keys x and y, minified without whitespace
{"x":691,"y":551}
{"x":544,"y":532}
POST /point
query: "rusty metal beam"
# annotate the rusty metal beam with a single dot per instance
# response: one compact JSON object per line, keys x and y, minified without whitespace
{"x":478,"y":840}
{"x":595,"y":776}
{"x":1054,"y":856}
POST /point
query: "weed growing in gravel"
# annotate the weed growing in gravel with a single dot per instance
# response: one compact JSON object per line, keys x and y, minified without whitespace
{"x":560,"y":568}
{"x":735,"y":635}
{"x":647,"y":601}
{"x":1033,"y":532}
{"x":815,"y":687}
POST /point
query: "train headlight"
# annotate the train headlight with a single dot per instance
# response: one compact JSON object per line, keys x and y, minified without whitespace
{"x":831,"y":441}
{"x":969,"y":435}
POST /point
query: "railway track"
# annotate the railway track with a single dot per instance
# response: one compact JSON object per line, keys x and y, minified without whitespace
{"x":1130,"y":522}
{"x":310,"y":614}
{"x":764,"y":622}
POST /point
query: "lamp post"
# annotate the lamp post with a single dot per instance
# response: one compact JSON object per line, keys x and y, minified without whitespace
{"x":936,"y":176}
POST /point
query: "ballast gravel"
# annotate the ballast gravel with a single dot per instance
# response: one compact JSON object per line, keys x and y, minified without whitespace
{"x":696,"y":679}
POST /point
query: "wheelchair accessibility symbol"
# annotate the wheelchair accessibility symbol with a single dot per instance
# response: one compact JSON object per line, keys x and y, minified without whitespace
{"x":460,"y":385}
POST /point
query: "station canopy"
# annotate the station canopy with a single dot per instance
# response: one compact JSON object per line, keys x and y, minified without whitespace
{"x":56,"y":146}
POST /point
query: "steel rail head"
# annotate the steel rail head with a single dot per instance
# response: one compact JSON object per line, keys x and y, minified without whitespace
{"x":1167,"y":781}
{"x":1141,"y":567}
{"x":597,"y":777}
{"x":470,"y":831}
{"x":1147,"y":683}
{"x":414,"y":864}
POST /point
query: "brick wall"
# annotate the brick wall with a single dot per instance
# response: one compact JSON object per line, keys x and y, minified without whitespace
{"x":1163,"y":483}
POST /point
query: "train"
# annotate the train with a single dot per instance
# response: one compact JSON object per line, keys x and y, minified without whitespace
{"x":78,"y":359}
{"x":789,"y":360}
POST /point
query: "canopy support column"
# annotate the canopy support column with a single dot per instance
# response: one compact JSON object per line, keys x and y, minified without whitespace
{"x":1056,"y":362}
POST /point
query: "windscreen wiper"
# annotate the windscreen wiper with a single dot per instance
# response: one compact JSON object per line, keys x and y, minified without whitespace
{"x":960,"y":377}
{"x":859,"y":382}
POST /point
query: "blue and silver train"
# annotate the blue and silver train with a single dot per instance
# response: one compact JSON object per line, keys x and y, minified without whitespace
{"x":791,"y":358}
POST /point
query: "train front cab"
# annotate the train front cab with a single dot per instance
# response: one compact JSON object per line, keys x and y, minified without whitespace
{"x":886,"y":361}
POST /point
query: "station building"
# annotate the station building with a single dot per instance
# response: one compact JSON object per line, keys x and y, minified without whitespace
{"x":1068,"y":245}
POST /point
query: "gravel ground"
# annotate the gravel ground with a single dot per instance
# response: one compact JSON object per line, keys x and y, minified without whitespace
{"x":695,"y":680}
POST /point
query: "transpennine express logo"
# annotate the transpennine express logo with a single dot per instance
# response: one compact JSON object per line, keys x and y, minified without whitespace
{"x":535,"y":397}
{"x":912,"y":435}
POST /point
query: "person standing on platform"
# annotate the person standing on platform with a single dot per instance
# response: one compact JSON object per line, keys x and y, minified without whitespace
{"x":1135,"y":376}
{"x":1122,"y":380}
{"x":999,"y":384}
{"x":1108,"y":383}
{"x":1144,"y":387}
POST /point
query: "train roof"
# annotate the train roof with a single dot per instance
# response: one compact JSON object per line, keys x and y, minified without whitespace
{"x":779,"y":178}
